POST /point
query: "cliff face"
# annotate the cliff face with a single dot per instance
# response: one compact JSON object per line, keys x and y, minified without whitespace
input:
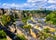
{"x":8,"y":38}
{"x":18,"y":31}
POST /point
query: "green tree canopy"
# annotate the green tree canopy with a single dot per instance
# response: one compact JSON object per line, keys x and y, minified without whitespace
{"x":2,"y":35}
{"x":5,"y":19}
{"x":51,"y":18}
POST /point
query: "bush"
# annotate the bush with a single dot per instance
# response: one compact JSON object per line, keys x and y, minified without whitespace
{"x":51,"y":18}
{"x":22,"y":37}
{"x":5,"y":19}
{"x":2,"y":35}
{"x":27,"y":26}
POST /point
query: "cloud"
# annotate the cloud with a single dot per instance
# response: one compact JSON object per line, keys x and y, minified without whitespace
{"x":32,"y":4}
{"x":51,"y":7}
{"x":52,"y":1}
{"x":49,"y":4}
{"x":11,"y":5}
{"x":35,"y":0}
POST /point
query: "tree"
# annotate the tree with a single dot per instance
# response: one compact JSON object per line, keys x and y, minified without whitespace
{"x":51,"y":18}
{"x":5,"y":19}
{"x":2,"y":35}
{"x":22,"y":37}
{"x":27,"y":27}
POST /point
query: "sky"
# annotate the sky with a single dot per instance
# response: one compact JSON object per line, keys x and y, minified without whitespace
{"x":28,"y":4}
